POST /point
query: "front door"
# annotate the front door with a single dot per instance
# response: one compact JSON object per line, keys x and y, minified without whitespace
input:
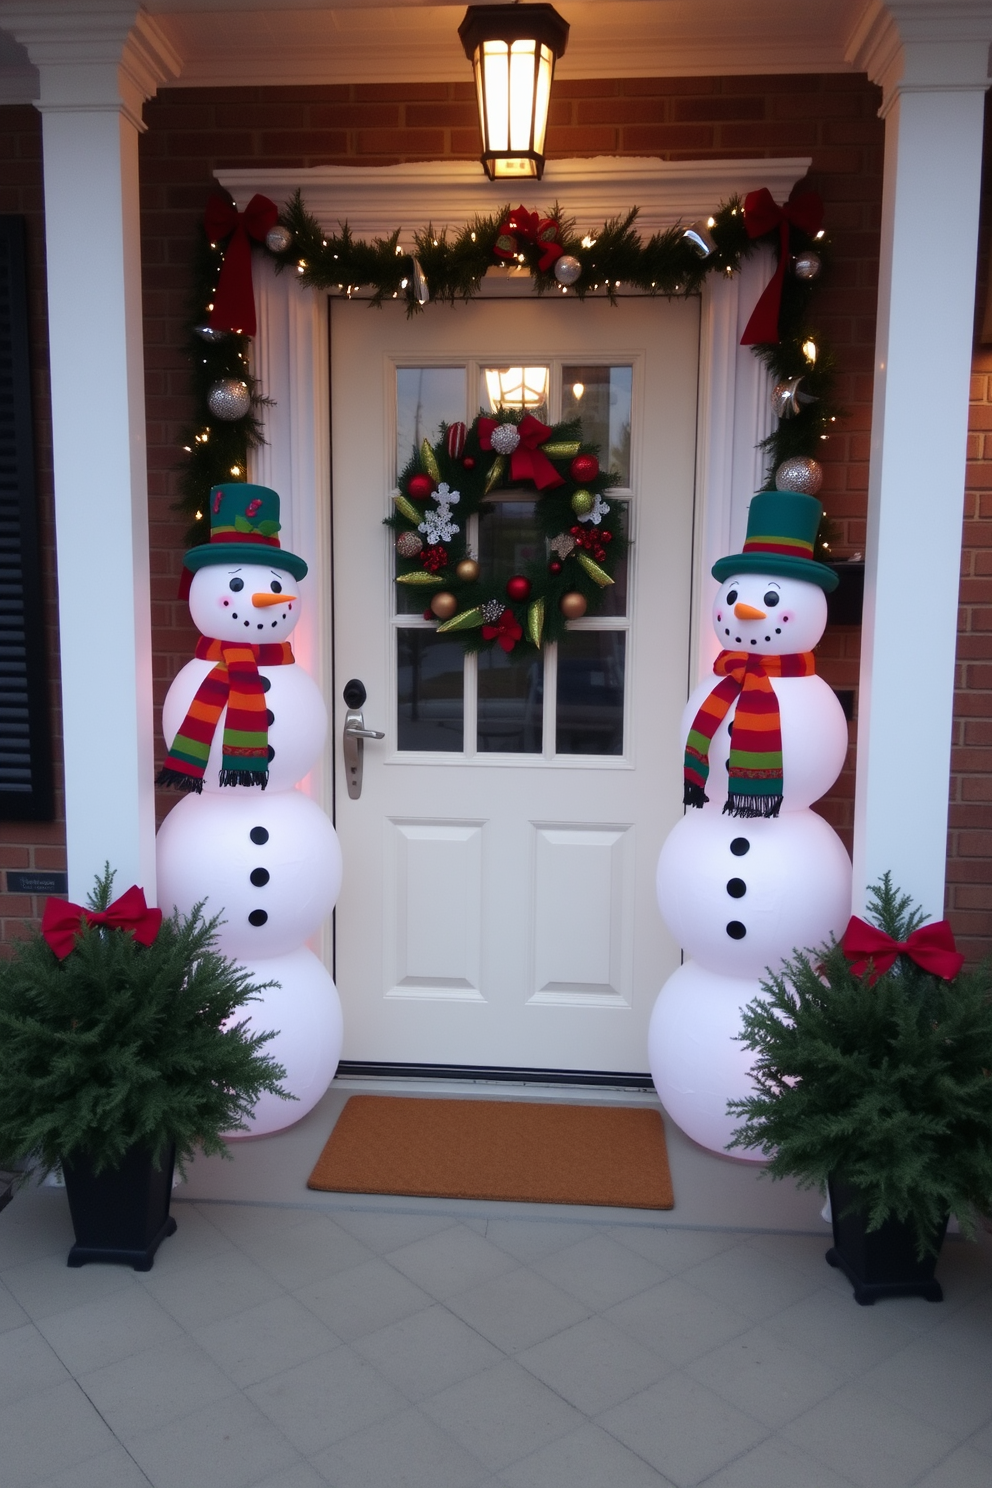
{"x":498,"y":907}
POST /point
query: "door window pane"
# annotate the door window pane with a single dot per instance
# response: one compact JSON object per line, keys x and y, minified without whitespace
{"x":601,"y":398}
{"x":431,"y":691}
{"x":511,"y":702}
{"x":425,"y":397}
{"x":508,"y":537}
{"x":517,"y":387}
{"x":613,"y":597}
{"x":590,"y":692}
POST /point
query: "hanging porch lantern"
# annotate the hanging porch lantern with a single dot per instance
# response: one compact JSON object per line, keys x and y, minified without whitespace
{"x":513,"y":49}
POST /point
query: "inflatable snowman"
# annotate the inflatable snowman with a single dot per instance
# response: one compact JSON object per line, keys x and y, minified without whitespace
{"x":242,"y":714}
{"x":753,"y":874}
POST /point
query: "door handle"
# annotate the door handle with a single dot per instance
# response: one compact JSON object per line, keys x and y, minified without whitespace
{"x":354,"y":736}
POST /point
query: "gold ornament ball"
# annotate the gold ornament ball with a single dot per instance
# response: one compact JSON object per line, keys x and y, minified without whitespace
{"x":573,"y":605}
{"x":582,"y":502}
{"x":444,"y":605}
{"x":467,"y":570}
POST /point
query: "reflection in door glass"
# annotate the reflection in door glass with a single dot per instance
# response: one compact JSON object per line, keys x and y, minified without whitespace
{"x":430,"y":691}
{"x":601,"y":397}
{"x":508,"y":537}
{"x":517,"y":387}
{"x":613,"y":599}
{"x":425,"y":397}
{"x":590,"y":692}
{"x":511,"y":703}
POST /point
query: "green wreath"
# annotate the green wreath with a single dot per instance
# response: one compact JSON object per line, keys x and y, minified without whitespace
{"x":445,"y":483}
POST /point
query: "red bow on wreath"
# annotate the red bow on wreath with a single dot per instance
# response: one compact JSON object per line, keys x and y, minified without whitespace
{"x":931,"y":947}
{"x":506,"y":631}
{"x":234,"y":297}
{"x":762,"y":215}
{"x":528,"y":461}
{"x":526,"y":227}
{"x":62,"y":920}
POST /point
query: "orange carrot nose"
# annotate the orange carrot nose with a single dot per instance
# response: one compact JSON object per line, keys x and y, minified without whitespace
{"x":262,"y":601}
{"x":741,"y":611}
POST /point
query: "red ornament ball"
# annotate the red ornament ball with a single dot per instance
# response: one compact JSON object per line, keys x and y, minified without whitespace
{"x":468,"y":462}
{"x":420,"y":487}
{"x":584,"y":468}
{"x":429,"y":615}
{"x":554,"y":566}
{"x":518,"y":588}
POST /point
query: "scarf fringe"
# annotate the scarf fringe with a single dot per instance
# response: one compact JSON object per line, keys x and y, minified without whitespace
{"x":173,"y":780}
{"x":752,"y":806}
{"x":244,"y":777}
{"x":694,"y":795}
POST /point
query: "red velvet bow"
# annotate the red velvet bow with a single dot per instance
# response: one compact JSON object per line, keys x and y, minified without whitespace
{"x":506,"y":631}
{"x":762,"y":215}
{"x":528,"y":461}
{"x":527,"y":227}
{"x":931,"y":946}
{"x":62,"y":920}
{"x":234,"y":297}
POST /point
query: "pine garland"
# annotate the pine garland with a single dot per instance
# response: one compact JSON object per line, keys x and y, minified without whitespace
{"x":454,"y":264}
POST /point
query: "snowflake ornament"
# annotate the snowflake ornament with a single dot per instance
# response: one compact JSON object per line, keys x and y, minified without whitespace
{"x":597,"y":512}
{"x":437,"y":523}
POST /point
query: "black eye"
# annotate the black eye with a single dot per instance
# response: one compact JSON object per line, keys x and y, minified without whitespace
{"x":236,"y":585}
{"x":772,"y":598}
{"x":731,"y":597}
{"x":276,"y":587}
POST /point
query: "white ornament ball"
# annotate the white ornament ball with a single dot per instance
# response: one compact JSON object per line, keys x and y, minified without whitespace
{"x":799,"y":473}
{"x":229,"y":399}
{"x":304,"y":1010}
{"x":696,"y":1062}
{"x":268,"y":862}
{"x":505,"y":439}
{"x":208,"y":334}
{"x":278,"y":238}
{"x":806,"y":265}
{"x":568,"y":269}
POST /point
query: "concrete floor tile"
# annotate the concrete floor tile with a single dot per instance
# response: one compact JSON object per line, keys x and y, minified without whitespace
{"x":529,"y":1239}
{"x":110,"y":1328}
{"x":209,"y":1290}
{"x":236,"y":1221}
{"x":384,"y":1230}
{"x":594,"y":1365}
{"x":12,"y":1314}
{"x":868,"y":1439}
{"x":28,"y":1363}
{"x":428,"y":1352}
{"x":599,"y":1271}
{"x":938,"y":1383}
{"x":830,"y":1325}
{"x":678,"y":1322}
{"x":304,"y":1252}
{"x":47,"y":1286}
{"x":363,"y":1299}
{"x":265,"y":1340}
{"x":752,"y":1282}
{"x":197,"y":1238}
{"x":502,"y":1415}
{"x":36,"y":1223}
{"x":765,"y":1377}
{"x":674,"y":1250}
{"x":114,"y":1469}
{"x":49,"y":1432}
{"x":303,"y":1475}
{"x":964,"y":1468}
{"x":326,"y":1399}
{"x":774,"y":1463}
{"x":982,"y":1440}
{"x":685,"y":1431}
{"x":227,"y":1444}
{"x":518,"y":1309}
{"x":404,"y":1451}
{"x":587,"y":1458}
{"x":447,"y":1263}
{"x":150,"y":1389}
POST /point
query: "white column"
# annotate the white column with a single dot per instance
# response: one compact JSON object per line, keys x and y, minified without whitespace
{"x":95,"y":70}
{"x":933,"y":73}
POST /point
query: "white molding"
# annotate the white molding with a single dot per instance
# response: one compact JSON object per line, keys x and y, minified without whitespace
{"x":922,"y":46}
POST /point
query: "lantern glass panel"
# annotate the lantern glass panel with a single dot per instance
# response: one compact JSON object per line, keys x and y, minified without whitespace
{"x":545,"y":70}
{"x":496,"y":95}
{"x":521,"y":94}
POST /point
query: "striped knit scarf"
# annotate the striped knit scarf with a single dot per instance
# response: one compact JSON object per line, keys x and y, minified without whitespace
{"x":755,"y":784}
{"x":235,"y":684}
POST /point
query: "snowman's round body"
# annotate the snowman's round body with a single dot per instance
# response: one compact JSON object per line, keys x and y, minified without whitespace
{"x":740,"y":894}
{"x":268,"y":861}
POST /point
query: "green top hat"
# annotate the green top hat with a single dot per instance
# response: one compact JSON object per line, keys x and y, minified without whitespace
{"x":781,"y":529}
{"x":244,"y":521}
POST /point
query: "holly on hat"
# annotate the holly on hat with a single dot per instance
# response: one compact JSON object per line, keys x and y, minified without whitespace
{"x":241,"y":517}
{"x":781,"y":530}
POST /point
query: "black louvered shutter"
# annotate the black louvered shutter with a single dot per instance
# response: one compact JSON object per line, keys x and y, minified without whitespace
{"x":25,"y":735}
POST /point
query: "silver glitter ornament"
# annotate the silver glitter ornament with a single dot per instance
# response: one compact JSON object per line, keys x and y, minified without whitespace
{"x":421,"y":292}
{"x":208,"y":334}
{"x":229,"y":399}
{"x":567,"y":269}
{"x":278,"y":238}
{"x":408,"y":544}
{"x":787,"y":399}
{"x":799,"y":473}
{"x":505,"y":439}
{"x":806,"y":265}
{"x":700,"y":239}
{"x":492,"y":611}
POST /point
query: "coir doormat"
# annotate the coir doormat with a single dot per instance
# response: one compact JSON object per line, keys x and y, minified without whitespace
{"x":520,"y":1151}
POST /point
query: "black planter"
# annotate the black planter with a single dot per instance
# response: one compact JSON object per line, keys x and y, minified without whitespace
{"x":882,"y":1262}
{"x":845,"y":603}
{"x":122,"y":1214}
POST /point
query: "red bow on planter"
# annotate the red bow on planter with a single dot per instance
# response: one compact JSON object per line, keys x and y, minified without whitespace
{"x":931,"y":947}
{"x":62,"y":920}
{"x":526,"y":227}
{"x":762,"y":215}
{"x":528,"y":461}
{"x":234,"y":297}
{"x":506,"y":632}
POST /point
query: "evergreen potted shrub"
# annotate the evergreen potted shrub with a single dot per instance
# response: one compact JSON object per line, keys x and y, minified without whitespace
{"x":873,"y":1078}
{"x":119,"y":1055}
